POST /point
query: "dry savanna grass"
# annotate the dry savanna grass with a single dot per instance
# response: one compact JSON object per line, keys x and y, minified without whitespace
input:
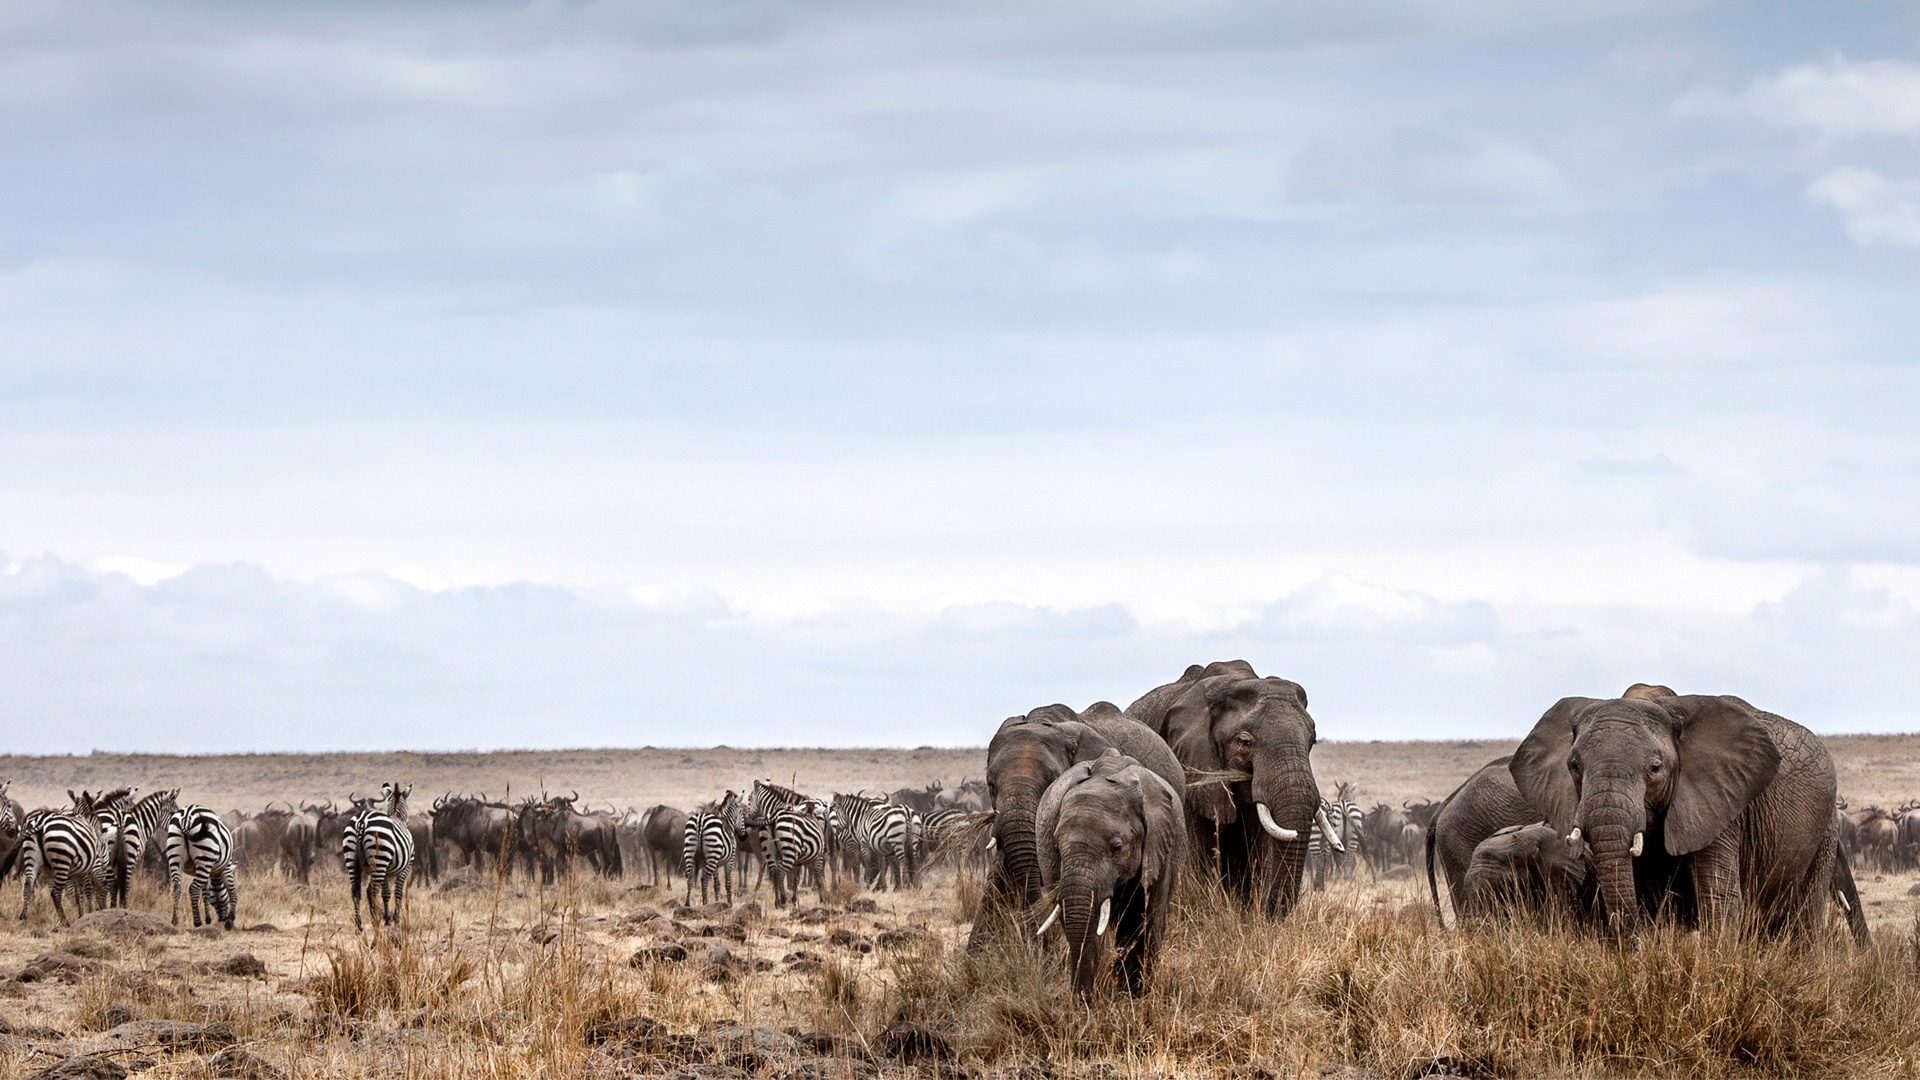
{"x":598,"y":978}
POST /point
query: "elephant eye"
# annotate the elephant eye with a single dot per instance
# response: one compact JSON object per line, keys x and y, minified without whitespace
{"x":1573,"y":766}
{"x":1245,"y":738}
{"x":1654,"y":766}
{"x":1116,"y":843}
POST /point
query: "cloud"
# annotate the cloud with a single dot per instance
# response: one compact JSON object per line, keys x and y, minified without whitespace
{"x":1877,"y":209}
{"x":1841,"y":98}
{"x":228,"y":658}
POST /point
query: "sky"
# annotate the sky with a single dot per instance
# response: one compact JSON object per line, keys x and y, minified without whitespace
{"x":422,"y":375}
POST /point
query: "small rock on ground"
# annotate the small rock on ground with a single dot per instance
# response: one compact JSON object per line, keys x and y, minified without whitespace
{"x":180,"y":1034}
{"x":81,"y":1068}
{"x":240,"y":965}
{"x":240,"y":1064}
{"x":64,"y":966}
{"x":123,"y":922}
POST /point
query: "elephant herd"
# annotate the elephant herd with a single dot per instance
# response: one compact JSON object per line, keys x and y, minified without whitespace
{"x":1702,"y":809}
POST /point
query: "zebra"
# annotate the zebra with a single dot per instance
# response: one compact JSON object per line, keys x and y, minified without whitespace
{"x":801,"y":840}
{"x":377,"y":851}
{"x":882,"y":836}
{"x":1343,"y":813}
{"x":66,"y":846}
{"x":756,"y":837}
{"x":133,"y":828}
{"x":200,"y":845}
{"x":708,"y":851}
{"x":945,"y":831}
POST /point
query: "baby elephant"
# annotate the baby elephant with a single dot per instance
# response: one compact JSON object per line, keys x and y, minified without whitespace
{"x":1526,"y":869}
{"x":1112,"y":840}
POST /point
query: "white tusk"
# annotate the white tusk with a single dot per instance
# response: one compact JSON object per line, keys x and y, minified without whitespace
{"x":1844,"y":906}
{"x":1106,"y":909}
{"x":1273,"y":827}
{"x":1573,"y":838}
{"x":1326,"y":829}
{"x":1052,"y":915}
{"x":1639,"y":844}
{"x":992,"y":840}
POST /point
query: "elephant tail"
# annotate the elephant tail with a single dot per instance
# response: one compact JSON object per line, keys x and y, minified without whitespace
{"x":1849,"y":897}
{"x":1433,"y":884}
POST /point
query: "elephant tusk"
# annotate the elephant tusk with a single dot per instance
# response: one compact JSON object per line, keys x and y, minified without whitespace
{"x":1639,"y":844}
{"x":1573,"y":838}
{"x":1326,"y":829}
{"x":1273,"y":827}
{"x":1051,"y":915}
{"x":1844,"y":906}
{"x":992,"y":840}
{"x":1106,"y":910}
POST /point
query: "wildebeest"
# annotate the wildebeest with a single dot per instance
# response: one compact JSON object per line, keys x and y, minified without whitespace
{"x":662,"y":830}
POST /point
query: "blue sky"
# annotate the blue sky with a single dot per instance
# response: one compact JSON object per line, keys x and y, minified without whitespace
{"x":611,"y":373}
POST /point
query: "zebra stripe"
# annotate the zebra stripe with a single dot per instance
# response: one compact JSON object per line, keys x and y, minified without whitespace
{"x":1349,"y":823}
{"x":708,"y":851}
{"x":880,"y":834}
{"x":67,"y":847}
{"x":200,"y":847}
{"x":800,"y":841}
{"x":377,"y":851}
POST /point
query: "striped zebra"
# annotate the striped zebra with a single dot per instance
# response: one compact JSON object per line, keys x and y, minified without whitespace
{"x":764,"y":800}
{"x":708,"y":851}
{"x":66,"y":847}
{"x":200,"y":848}
{"x":948,"y":833}
{"x":801,"y":840}
{"x":1348,"y":822}
{"x":881,"y":835}
{"x":133,"y":830}
{"x":377,"y":851}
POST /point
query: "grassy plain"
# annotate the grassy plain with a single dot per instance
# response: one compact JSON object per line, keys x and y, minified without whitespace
{"x":511,"y":979}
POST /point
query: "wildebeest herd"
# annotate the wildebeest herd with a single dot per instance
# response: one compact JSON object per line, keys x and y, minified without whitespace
{"x":1655,"y":805}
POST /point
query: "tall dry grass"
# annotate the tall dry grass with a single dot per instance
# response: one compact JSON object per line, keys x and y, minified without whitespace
{"x":500,"y":981}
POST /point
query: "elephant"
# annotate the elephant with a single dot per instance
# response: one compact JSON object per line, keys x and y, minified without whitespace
{"x":1223,"y":720}
{"x":1698,"y":806}
{"x":1112,"y":837}
{"x":1028,"y":754}
{"x":1524,"y":870}
{"x":1482,"y":805}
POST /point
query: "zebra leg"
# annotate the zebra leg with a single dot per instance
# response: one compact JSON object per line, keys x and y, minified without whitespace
{"x":231,"y":893}
{"x":175,"y":875}
{"x":354,"y":883}
{"x":400,"y":892}
{"x":28,"y":872}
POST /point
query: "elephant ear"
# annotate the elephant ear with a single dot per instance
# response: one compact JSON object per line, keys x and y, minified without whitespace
{"x":1189,"y":734}
{"x":1046,"y":818}
{"x":1539,"y":765}
{"x":1163,"y":814}
{"x":1082,"y":743}
{"x":1726,"y":760}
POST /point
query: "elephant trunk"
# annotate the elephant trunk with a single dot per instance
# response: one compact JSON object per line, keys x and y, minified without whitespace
{"x":1083,"y":899}
{"x":1612,"y":819}
{"x":1017,"y":838}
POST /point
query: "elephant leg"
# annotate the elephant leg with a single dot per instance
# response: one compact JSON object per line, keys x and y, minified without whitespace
{"x":1719,"y":901}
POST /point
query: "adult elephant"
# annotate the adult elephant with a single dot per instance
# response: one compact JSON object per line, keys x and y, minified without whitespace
{"x":1112,"y":839}
{"x":1483,"y":804}
{"x":1027,"y":755}
{"x":1701,"y":805}
{"x":1224,"y":719}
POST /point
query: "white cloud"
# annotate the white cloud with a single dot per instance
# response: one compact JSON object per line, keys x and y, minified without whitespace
{"x":227,"y":658}
{"x":1877,"y":209}
{"x":1841,"y":98}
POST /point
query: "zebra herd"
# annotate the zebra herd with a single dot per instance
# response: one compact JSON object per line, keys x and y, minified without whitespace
{"x":92,"y":848}
{"x":795,"y":837}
